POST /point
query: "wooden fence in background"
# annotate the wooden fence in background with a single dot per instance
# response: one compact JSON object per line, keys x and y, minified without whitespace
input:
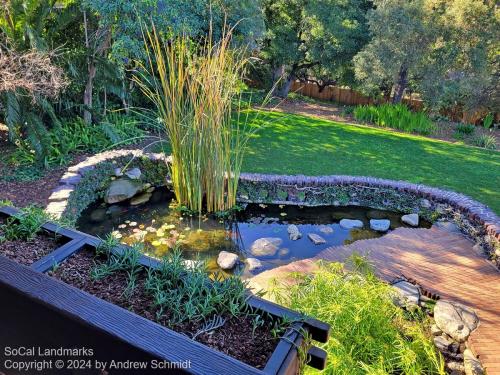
{"x":344,"y":95}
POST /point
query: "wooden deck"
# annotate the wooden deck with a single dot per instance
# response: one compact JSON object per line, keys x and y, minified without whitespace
{"x":443,"y":262}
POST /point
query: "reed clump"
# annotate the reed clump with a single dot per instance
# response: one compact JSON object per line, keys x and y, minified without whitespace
{"x":195,"y":88}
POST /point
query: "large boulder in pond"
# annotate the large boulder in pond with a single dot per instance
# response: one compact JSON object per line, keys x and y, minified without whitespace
{"x":266,"y":246}
{"x":227,"y":260}
{"x":122,"y":189}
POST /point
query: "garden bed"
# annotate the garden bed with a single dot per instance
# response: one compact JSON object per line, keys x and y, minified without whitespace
{"x":240,"y":346}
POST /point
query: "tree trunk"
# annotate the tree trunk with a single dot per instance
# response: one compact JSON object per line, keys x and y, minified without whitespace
{"x":401,"y":85}
{"x":87,"y":95}
{"x":284,"y":89}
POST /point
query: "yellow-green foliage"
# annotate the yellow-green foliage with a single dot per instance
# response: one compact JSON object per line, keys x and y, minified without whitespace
{"x":194,"y":89}
{"x":369,"y":334}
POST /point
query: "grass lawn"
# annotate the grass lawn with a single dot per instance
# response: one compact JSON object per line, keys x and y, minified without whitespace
{"x":294,"y":144}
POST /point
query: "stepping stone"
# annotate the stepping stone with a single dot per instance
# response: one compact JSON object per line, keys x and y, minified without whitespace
{"x":380,"y":225}
{"x":266,"y":246}
{"x":253,"y":264}
{"x":410,"y":219}
{"x":316,"y":238}
{"x":351,"y":224}
{"x":294,"y":232}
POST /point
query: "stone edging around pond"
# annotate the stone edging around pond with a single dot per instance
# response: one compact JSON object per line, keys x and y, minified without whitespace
{"x":85,"y":182}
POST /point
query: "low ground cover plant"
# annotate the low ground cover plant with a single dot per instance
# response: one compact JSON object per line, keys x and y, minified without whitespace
{"x":396,"y":116}
{"x":177,"y":295}
{"x":486,"y":141}
{"x":22,"y":238}
{"x":370,"y":335}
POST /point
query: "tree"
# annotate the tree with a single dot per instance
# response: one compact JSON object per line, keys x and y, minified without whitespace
{"x":446,"y":50}
{"x":118,"y":34}
{"x":463,"y":68}
{"x":312,"y":40}
{"x":402,"y":35}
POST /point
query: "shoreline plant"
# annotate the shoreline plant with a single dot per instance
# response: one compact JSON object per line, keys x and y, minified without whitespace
{"x":195,"y":88}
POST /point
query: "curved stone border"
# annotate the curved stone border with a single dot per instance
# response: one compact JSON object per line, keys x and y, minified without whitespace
{"x":86,"y":181}
{"x":474,"y":218}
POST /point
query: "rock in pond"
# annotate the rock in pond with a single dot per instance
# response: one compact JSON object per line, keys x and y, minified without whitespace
{"x":351,"y":224}
{"x":294,"y":232}
{"x":227,"y":260}
{"x":316,"y":239}
{"x":406,"y":295}
{"x":455,"y":319}
{"x":325,"y":229}
{"x":380,"y":225}
{"x":253,"y":264}
{"x":140,"y":199}
{"x":410,"y":219}
{"x":122,"y":189}
{"x":134,"y":173}
{"x":98,"y":215}
{"x":266,"y":246}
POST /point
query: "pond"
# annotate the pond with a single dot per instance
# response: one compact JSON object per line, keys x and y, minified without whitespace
{"x":259,"y":231}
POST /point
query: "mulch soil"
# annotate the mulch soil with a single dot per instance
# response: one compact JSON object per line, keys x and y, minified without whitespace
{"x":28,"y":252}
{"x":235,"y":338}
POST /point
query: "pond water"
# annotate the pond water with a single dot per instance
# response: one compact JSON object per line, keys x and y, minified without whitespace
{"x":159,"y":224}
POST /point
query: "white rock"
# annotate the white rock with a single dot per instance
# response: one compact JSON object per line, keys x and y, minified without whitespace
{"x":350,"y":224}
{"x":325,"y":229}
{"x":284,"y":252}
{"x":294,"y":232}
{"x":435,"y":330}
{"x":134,"y":174}
{"x":253,"y":264}
{"x":456,"y":320}
{"x":316,"y":238}
{"x":380,"y":225}
{"x":227,"y":260}
{"x":472,"y":365}
{"x":410,"y":219}
{"x":406,"y":295}
{"x":455,"y":368}
{"x":266,"y":246}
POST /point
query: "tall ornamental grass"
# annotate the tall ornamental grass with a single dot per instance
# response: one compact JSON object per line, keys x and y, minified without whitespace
{"x":369,"y":334}
{"x":195,"y":89}
{"x":396,"y":116}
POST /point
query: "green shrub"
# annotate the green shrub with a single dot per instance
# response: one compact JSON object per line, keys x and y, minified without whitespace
{"x":24,"y":225}
{"x":396,"y":116}
{"x":486,"y":141}
{"x":76,"y":136}
{"x":488,"y":120}
{"x":369,"y":334}
{"x":466,"y":129}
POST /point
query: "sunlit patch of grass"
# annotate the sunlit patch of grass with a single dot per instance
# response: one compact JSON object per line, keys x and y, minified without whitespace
{"x":315,"y":146}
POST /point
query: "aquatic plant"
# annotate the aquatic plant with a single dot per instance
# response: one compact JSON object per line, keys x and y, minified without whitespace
{"x":195,"y":89}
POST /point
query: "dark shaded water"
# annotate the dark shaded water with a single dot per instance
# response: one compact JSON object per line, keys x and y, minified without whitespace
{"x":159,"y":225}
